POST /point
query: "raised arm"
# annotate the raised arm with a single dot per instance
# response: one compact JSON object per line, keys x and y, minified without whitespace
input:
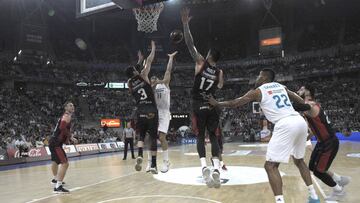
{"x":140,"y":58}
{"x":221,"y":80}
{"x":188,"y":37}
{"x":129,"y":86}
{"x":145,"y":72}
{"x":167,"y":76}
{"x":252,"y":95}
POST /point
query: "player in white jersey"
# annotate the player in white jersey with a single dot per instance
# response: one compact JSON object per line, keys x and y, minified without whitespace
{"x":290,"y":130}
{"x":265,"y":133}
{"x":162,"y":98}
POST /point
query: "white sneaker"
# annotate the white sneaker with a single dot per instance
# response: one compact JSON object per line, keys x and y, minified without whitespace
{"x":165,"y":167}
{"x":206,"y":175}
{"x":139,"y":161}
{"x":336,"y":195}
{"x":345,"y":180}
{"x":147,"y":170}
{"x":216,"y":178}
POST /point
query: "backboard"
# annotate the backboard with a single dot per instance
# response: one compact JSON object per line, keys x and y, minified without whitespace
{"x":88,"y":7}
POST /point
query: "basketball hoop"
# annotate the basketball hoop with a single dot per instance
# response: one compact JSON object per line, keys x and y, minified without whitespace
{"x":148,"y":16}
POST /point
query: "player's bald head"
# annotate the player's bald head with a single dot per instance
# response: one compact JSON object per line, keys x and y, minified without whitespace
{"x":269,"y":74}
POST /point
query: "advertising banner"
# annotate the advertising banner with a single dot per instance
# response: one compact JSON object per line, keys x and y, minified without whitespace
{"x":108,"y":146}
{"x":67,"y":148}
{"x":33,"y":152}
{"x":111,"y":123}
{"x":86,"y":147}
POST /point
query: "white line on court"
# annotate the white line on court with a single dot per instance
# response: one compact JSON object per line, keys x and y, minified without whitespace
{"x":321,"y":190}
{"x":160,"y":196}
{"x":82,"y":187}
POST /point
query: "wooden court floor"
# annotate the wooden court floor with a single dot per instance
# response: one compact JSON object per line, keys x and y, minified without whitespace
{"x":108,"y":178}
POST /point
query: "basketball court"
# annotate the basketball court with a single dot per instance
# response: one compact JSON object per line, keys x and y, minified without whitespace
{"x":107,"y":178}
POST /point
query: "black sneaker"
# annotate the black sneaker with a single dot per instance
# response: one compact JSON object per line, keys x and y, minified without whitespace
{"x":53,"y":181}
{"x":61,"y":190}
{"x":153,"y":170}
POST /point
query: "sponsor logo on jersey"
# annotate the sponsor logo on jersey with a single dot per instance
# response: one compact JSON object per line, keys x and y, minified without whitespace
{"x":272,"y":86}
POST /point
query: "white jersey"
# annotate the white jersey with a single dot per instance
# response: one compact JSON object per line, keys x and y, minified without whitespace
{"x":275,"y":102}
{"x":264,"y":133}
{"x":162,"y":97}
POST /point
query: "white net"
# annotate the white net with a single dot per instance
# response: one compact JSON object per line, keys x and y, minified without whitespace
{"x":148,"y":16}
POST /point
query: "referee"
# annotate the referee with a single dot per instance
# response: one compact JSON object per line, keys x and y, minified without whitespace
{"x":128,"y":138}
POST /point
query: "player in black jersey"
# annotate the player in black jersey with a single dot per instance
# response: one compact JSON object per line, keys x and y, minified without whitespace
{"x":147,"y":113}
{"x":327,"y":144}
{"x":208,"y":78}
{"x":61,"y":136}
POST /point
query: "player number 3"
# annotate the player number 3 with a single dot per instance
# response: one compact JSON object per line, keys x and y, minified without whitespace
{"x":142,"y":94}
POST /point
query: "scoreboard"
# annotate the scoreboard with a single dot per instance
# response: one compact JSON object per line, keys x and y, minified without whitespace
{"x":270,"y":42}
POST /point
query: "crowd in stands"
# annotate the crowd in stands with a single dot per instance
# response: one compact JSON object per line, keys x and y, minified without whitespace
{"x":30,"y":114}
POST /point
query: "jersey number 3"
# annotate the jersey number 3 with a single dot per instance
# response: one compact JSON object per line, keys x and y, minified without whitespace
{"x":142,"y":94}
{"x":281,"y":99}
{"x":211,"y":82}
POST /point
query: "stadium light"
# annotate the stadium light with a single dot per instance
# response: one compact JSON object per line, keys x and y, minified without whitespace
{"x":19,"y":53}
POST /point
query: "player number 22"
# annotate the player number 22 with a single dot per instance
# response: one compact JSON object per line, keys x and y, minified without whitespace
{"x":211,"y":82}
{"x":142,"y":93}
{"x":281,"y":99}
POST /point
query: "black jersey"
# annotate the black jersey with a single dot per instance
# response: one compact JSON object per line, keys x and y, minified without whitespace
{"x":321,"y":126}
{"x":206,"y":82}
{"x":143,"y":94}
{"x":61,"y":135}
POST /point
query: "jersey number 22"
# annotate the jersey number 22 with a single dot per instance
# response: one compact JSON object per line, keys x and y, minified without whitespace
{"x":281,"y":99}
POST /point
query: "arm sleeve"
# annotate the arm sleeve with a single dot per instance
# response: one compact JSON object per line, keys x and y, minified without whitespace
{"x":301,"y":107}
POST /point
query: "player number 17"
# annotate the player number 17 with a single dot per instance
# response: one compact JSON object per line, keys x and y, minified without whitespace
{"x":211,"y":82}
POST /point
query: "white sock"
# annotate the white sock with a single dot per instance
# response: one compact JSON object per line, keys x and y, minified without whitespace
{"x":216,"y":163}
{"x":203,"y":162}
{"x":336,"y":177}
{"x":55,"y":178}
{"x":166,"y":155}
{"x":221,"y":163}
{"x":149,"y":158}
{"x":312,"y":192}
{"x":279,"y":199}
{"x":58,"y":184}
{"x":337,"y":188}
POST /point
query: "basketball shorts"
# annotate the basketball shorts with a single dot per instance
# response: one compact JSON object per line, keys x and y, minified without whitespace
{"x":323,"y":155}
{"x":147,"y":123}
{"x":289,"y":138}
{"x":164,"y":121}
{"x":205,"y":118}
{"x":58,"y":154}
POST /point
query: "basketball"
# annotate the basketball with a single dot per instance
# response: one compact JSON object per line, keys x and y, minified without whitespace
{"x":176,"y":36}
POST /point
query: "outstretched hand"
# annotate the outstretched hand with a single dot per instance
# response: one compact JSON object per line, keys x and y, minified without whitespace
{"x":212,"y":101}
{"x":173,"y":54}
{"x":185,"y":15}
